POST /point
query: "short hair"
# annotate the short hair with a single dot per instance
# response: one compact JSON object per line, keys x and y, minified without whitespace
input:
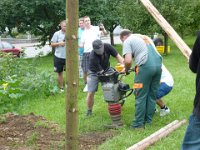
{"x":81,"y":19}
{"x":86,"y":17}
{"x":63,"y":21}
{"x":125,"y":32}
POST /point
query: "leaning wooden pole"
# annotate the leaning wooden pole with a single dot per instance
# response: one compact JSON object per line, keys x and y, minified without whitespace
{"x":167,"y":28}
{"x":72,"y":75}
{"x":163,"y":132}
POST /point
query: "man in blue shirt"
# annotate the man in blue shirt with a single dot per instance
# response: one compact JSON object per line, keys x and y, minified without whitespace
{"x":58,"y":42}
{"x":80,"y":49}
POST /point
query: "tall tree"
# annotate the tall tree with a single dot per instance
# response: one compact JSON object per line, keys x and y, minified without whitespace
{"x":72,"y":75}
{"x":40,"y":18}
{"x":106,"y":13}
{"x":178,"y":13}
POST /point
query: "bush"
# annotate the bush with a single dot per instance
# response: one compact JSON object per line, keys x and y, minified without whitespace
{"x":19,"y":79}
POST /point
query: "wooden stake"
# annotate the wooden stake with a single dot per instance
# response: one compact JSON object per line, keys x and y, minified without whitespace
{"x":72,"y":75}
{"x":167,"y":28}
{"x":163,"y":132}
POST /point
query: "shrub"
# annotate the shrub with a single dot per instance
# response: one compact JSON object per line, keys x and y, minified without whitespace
{"x":19,"y":79}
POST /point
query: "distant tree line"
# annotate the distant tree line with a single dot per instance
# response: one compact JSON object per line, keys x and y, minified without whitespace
{"x":42,"y":18}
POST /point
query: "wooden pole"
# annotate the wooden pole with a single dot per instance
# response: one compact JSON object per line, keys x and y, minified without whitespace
{"x":167,"y":28}
{"x":163,"y":132}
{"x":72,"y":75}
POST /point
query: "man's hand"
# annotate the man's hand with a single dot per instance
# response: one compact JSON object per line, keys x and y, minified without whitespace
{"x":61,"y":43}
{"x":100,"y":72}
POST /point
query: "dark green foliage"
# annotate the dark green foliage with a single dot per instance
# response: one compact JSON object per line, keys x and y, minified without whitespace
{"x":181,"y":15}
{"x":19,"y":79}
{"x":38,"y":17}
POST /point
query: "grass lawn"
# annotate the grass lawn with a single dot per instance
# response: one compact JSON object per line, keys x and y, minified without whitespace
{"x":180,"y":102}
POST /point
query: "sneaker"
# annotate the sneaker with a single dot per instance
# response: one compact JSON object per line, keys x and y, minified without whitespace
{"x":89,"y":113}
{"x":156,"y":110}
{"x":61,"y":90}
{"x":85,"y":88}
{"x":113,"y":126}
{"x":164,"y":111}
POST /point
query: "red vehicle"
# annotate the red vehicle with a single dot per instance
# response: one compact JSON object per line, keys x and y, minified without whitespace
{"x":9,"y":48}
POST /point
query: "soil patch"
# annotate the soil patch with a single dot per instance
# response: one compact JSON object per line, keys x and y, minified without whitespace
{"x":32,"y":132}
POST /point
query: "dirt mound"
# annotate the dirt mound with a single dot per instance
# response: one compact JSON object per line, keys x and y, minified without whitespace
{"x":32,"y":132}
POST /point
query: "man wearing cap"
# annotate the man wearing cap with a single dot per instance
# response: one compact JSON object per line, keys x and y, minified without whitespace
{"x":147,"y":78}
{"x":98,"y":62}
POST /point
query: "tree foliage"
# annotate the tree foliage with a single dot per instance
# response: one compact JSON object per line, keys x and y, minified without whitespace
{"x":42,"y":17}
{"x":36,"y":16}
{"x":101,"y":11}
{"x":180,"y":14}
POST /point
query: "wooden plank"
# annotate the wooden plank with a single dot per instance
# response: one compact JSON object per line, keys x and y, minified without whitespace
{"x":167,"y":28}
{"x":163,"y":132}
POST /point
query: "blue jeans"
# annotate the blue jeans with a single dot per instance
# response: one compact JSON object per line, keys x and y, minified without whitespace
{"x":191,"y":140}
{"x":163,"y":90}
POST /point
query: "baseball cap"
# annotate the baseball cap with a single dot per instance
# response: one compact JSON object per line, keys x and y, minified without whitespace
{"x":98,"y":47}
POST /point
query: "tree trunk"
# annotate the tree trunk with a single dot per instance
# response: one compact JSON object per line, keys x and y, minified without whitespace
{"x":165,"y":43}
{"x":72,"y":75}
{"x":112,"y":38}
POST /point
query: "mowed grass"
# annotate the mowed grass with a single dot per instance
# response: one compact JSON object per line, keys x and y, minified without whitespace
{"x":179,"y":100}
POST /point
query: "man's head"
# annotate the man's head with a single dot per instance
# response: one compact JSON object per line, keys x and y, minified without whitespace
{"x":124,"y":34}
{"x":98,"y":47}
{"x":87,"y":22}
{"x":63,"y":25}
{"x":81,"y":23}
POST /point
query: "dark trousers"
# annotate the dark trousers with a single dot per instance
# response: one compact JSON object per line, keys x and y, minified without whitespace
{"x":191,"y":139}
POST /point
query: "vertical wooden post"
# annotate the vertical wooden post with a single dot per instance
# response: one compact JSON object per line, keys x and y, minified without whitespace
{"x":72,"y":75}
{"x":167,"y":28}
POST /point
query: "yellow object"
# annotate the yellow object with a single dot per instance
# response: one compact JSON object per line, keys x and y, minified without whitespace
{"x":161,"y":49}
{"x":5,"y":86}
{"x":119,"y":67}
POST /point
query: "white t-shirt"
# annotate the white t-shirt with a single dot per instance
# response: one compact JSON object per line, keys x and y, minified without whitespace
{"x":166,"y":77}
{"x":88,"y":36}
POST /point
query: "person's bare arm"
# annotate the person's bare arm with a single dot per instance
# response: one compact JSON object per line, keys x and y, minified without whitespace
{"x":56,"y":44}
{"x":127,"y":61}
{"x":103,"y":30}
{"x":120,"y":59}
{"x":81,"y":45}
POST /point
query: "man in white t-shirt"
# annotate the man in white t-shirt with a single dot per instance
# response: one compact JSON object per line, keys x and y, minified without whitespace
{"x":89,"y":34}
{"x":166,"y":85}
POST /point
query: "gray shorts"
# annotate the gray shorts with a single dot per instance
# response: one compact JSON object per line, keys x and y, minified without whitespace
{"x":92,"y":81}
